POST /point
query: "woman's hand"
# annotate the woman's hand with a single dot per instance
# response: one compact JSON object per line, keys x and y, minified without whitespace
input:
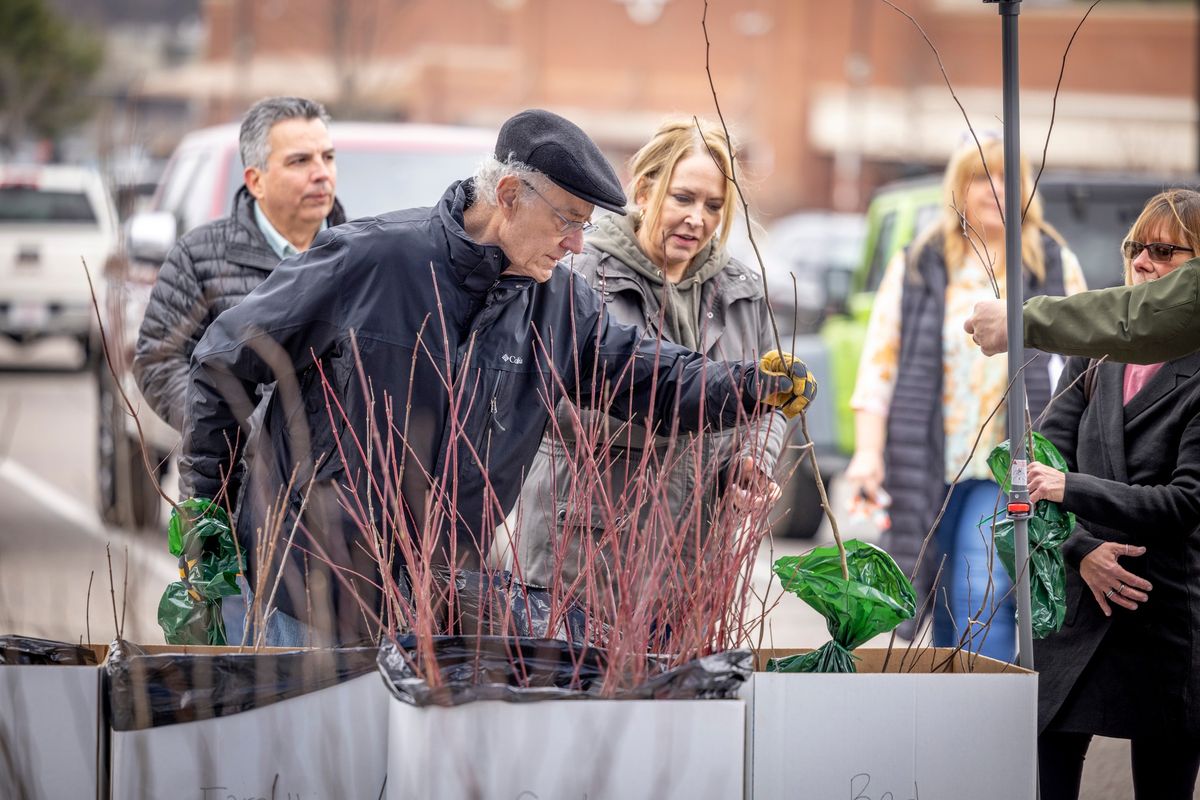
{"x":1109,"y":581}
{"x":864,"y":474}
{"x":1046,"y":483}
{"x":751,"y":487}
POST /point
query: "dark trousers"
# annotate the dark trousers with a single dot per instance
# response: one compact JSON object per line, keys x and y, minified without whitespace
{"x":1163,"y":768}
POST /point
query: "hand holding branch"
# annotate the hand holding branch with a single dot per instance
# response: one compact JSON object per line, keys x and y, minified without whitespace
{"x":751,"y":487}
{"x":988,"y":326}
{"x":1046,"y":483}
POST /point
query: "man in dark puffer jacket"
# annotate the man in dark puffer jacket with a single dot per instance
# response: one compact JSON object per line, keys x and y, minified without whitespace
{"x":287,"y":199}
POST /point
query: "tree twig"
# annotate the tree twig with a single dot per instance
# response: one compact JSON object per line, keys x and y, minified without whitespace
{"x":151,"y":470}
{"x":945,"y":77}
{"x":87,"y":608}
{"x":1054,"y":108}
{"x":112,"y":590}
{"x":763,"y":272}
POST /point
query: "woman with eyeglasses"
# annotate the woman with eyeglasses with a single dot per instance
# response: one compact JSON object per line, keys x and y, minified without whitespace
{"x":663,"y":268}
{"x":1126,"y":663}
{"x":929,"y":406}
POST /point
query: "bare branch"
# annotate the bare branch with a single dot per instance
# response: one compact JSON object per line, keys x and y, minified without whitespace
{"x":1054,"y":108}
{"x":957,"y":102}
{"x":151,"y":470}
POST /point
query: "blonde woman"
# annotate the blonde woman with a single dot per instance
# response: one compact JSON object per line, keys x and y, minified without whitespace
{"x":664,"y":269}
{"x":924,"y":392}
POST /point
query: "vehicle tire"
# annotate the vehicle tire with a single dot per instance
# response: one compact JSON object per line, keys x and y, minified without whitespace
{"x":90,"y":344}
{"x":128,"y":494}
{"x":798,"y":514}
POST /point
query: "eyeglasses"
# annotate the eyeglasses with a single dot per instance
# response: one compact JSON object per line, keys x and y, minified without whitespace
{"x":568,"y":226}
{"x":1159,"y":251}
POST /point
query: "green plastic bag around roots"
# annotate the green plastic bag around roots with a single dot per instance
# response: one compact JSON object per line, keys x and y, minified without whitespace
{"x":1049,"y":527}
{"x":199,"y":534}
{"x":875,"y":599}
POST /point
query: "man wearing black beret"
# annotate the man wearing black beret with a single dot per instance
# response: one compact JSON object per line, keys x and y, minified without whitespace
{"x":418,"y":355}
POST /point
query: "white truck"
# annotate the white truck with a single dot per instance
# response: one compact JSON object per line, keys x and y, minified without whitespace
{"x":53,"y":219}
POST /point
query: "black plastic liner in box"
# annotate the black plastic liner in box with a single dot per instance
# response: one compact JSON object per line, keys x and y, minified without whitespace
{"x":149,"y":691}
{"x":518,"y":669}
{"x":29,"y":651}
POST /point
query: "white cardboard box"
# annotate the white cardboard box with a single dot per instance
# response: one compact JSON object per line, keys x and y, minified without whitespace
{"x":568,"y":750}
{"x":49,"y":730}
{"x":328,"y":743}
{"x":902,"y":736}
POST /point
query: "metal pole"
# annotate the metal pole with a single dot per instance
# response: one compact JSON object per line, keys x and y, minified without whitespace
{"x":1018,"y":499}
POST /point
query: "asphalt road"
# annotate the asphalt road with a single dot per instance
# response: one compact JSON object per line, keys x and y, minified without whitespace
{"x":54,"y":551}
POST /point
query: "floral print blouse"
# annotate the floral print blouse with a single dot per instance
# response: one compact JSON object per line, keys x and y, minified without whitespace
{"x":972,"y":383}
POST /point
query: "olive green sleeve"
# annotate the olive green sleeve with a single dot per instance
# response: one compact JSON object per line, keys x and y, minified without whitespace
{"x":1146,"y":324}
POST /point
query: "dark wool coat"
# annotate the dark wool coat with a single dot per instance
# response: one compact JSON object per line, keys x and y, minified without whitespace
{"x":404,"y":315}
{"x":208,"y":271}
{"x":1135,"y":478}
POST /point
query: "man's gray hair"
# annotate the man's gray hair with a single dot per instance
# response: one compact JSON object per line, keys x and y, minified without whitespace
{"x":262,"y":116}
{"x":488,"y":174}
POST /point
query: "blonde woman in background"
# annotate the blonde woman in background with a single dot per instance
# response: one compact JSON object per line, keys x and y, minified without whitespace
{"x":924,"y":391}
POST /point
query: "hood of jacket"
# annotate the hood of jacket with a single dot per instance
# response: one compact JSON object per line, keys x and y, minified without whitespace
{"x":617,"y":236}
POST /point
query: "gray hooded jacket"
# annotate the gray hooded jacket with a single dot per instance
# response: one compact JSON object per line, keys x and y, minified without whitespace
{"x":719,"y":308}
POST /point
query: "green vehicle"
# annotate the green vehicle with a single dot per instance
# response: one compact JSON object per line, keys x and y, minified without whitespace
{"x":1091,"y":210}
{"x":897,"y":212}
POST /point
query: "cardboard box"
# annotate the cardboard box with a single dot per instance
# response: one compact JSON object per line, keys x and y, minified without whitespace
{"x":933,"y":730}
{"x":326,"y":743}
{"x":50,"y":730}
{"x":568,"y":750}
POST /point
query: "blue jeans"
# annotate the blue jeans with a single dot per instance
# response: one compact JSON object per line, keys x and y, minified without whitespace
{"x":282,"y":630}
{"x":964,"y":536}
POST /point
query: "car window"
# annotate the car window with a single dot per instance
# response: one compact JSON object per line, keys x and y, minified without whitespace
{"x":197,"y":204}
{"x":374,"y":179}
{"x":177,"y":182}
{"x":29,"y":204}
{"x":926,"y":215}
{"x":879,"y":256}
{"x":1093,"y":223}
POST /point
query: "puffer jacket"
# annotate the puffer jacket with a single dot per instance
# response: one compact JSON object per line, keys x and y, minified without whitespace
{"x":209,"y":270}
{"x":402,"y":320}
{"x":734,"y":324}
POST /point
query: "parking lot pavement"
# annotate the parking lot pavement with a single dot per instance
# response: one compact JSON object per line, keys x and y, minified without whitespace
{"x":54,"y":579}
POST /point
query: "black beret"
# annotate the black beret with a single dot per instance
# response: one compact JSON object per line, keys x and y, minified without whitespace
{"x":562,"y":152}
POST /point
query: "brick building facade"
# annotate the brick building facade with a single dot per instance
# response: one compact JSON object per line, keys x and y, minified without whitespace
{"x":829,"y":98}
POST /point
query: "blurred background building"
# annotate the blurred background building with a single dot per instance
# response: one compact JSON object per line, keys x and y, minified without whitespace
{"x":829,"y":98}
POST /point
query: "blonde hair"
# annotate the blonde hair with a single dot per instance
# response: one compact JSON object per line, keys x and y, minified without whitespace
{"x":966,"y":165}
{"x":652,"y":166}
{"x":1176,"y":213}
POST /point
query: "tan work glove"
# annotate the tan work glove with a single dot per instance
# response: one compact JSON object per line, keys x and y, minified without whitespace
{"x":804,"y":386}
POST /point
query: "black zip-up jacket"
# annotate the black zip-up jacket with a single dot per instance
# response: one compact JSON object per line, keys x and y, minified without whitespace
{"x":209,"y":270}
{"x":403,"y":319}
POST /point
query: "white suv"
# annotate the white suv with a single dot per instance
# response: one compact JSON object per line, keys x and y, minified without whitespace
{"x":381,"y":167}
{"x":52,"y":220}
